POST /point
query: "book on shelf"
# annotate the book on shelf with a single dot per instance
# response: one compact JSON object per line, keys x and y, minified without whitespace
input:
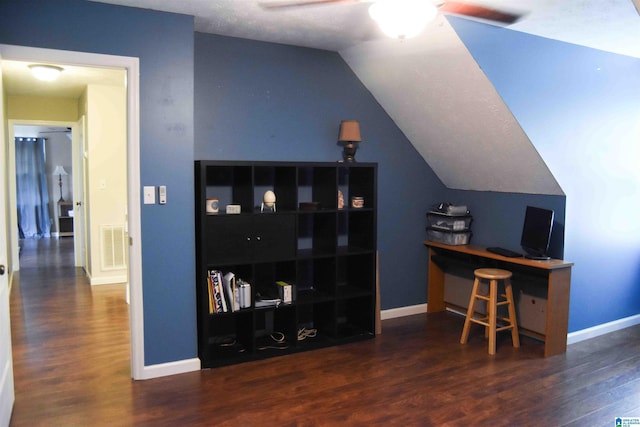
{"x":285,"y":291}
{"x":219,"y":304}
{"x":221,"y":291}
{"x":231,"y":291}
{"x":210,"y":294}
{"x":226,"y":292}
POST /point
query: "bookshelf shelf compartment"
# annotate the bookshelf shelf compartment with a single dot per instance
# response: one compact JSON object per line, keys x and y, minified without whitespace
{"x":327,"y":254}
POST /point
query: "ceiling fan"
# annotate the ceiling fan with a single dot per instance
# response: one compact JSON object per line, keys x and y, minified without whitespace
{"x":406,"y":18}
{"x":55,"y":130}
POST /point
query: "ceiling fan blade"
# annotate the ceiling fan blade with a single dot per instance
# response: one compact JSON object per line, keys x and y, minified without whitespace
{"x":66,"y":130}
{"x":636,"y":3}
{"x":280,"y":4}
{"x":477,"y":11}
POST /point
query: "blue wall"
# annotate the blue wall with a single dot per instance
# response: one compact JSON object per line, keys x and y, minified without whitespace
{"x":164,"y":44}
{"x":254,"y":101}
{"x":264,"y":101}
{"x":498,"y":217}
{"x":581,"y":109}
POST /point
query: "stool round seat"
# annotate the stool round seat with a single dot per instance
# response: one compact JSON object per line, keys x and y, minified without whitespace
{"x":492,"y":273}
{"x":493,"y":300}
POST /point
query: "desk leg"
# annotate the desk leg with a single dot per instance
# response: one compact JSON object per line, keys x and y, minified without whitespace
{"x":435,"y":286}
{"x":557,"y":312}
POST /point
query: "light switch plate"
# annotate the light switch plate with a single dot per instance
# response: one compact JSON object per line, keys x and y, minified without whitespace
{"x":149,"y":195}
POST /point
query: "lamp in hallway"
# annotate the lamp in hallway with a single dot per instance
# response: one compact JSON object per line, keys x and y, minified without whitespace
{"x":349,"y":139}
{"x":60,"y":171}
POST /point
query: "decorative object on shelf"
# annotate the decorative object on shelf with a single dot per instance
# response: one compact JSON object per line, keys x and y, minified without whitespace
{"x":268,"y":202}
{"x":309,"y":206}
{"x":357,"y":202}
{"x":349,"y":138}
{"x":245,"y":294}
{"x":60,"y":171}
{"x":213,"y":205}
{"x":233,"y":209}
{"x":340,"y":200}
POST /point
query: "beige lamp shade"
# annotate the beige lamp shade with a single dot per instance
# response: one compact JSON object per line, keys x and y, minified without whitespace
{"x":349,"y":131}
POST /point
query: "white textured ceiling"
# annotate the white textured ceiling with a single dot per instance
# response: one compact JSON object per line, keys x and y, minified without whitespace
{"x":612,"y":25}
{"x":453,"y":116}
{"x":467,"y":154}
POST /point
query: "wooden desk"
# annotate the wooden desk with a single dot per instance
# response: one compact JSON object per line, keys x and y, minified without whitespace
{"x":558,"y":278}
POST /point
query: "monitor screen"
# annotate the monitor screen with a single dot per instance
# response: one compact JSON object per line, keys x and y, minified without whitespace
{"x":536,"y":232}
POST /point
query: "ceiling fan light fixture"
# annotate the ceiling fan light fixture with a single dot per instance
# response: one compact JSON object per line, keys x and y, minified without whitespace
{"x":403,"y":19}
{"x":44,"y":72}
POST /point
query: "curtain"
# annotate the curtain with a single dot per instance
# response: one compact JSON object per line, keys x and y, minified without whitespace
{"x":32,"y":189}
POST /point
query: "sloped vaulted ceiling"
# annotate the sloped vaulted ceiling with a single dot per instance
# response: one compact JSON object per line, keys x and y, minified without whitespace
{"x":436,"y":93}
{"x":431,"y":86}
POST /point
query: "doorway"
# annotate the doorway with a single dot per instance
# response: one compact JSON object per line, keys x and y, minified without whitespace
{"x":133,"y":228}
{"x":61,"y":140}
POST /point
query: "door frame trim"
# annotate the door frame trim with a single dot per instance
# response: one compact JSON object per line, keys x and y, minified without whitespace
{"x":132,"y":67}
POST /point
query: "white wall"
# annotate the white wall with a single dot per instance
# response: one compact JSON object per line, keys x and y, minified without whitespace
{"x":106,"y":180}
{"x":58,"y":149}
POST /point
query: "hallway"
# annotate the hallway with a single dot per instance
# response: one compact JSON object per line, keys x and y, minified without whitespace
{"x":70,"y":340}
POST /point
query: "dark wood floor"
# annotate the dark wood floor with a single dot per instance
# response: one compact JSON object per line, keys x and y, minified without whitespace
{"x":71,"y":353}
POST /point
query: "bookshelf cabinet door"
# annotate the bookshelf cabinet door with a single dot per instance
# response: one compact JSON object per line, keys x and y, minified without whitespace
{"x":225,"y":238}
{"x":238,"y":238}
{"x":273,"y":237}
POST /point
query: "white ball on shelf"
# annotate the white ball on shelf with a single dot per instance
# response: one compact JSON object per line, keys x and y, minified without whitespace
{"x":269,"y":198}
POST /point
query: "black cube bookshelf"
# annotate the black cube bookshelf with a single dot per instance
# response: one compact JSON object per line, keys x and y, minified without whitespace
{"x":326,"y":252}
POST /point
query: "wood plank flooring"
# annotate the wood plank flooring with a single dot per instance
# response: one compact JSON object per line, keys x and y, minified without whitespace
{"x":71,"y":363}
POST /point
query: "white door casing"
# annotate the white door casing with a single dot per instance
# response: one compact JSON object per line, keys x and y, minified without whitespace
{"x":7,"y":394}
{"x":79,"y":208}
{"x":132,"y":67}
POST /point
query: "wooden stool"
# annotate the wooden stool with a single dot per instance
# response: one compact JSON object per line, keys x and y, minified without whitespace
{"x":490,"y":320}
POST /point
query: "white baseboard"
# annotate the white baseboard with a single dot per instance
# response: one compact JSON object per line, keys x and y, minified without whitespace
{"x":171,"y":368}
{"x":403,"y":311}
{"x":192,"y":365}
{"x":108,"y":280}
{"x":602,"y":329}
{"x":572,"y":337}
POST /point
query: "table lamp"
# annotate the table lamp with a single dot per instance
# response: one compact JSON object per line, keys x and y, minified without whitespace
{"x":60,"y":171}
{"x":349,"y":138}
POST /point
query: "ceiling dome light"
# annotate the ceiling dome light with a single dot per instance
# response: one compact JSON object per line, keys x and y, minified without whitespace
{"x":403,"y":19}
{"x":45,"y":72}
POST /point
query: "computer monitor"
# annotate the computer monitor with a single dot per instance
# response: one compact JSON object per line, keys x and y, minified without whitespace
{"x":536,"y":232}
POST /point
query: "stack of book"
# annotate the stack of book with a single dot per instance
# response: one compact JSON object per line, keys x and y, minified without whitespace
{"x":226,"y":293}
